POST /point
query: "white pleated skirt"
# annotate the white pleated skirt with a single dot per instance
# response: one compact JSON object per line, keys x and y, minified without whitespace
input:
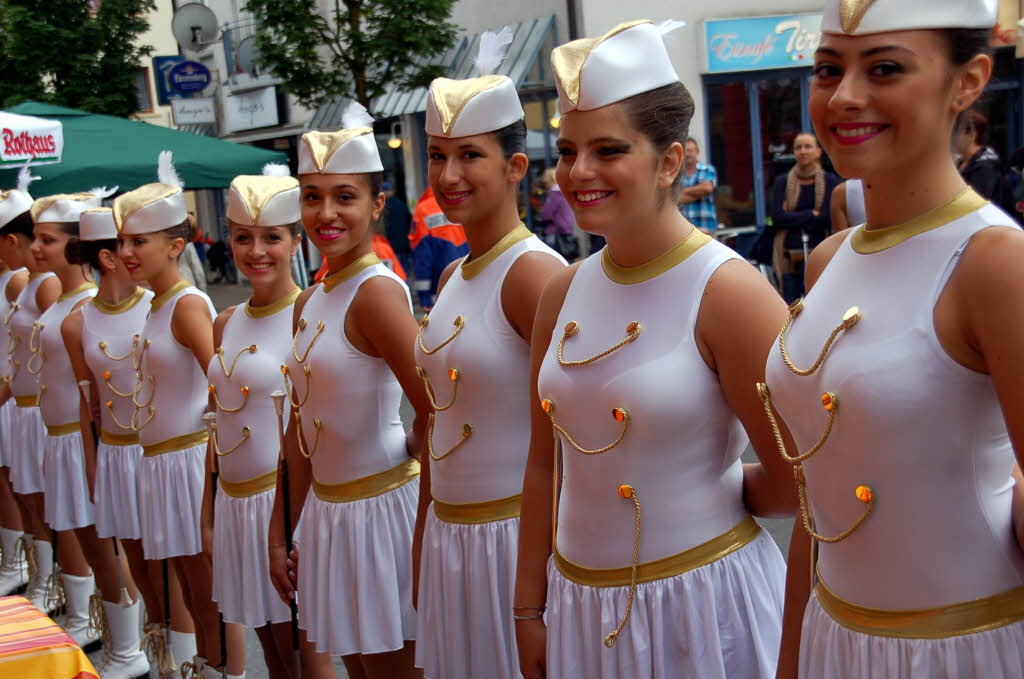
{"x":67,"y":505}
{"x":5,"y":432}
{"x":830,"y":651}
{"x":241,"y":568}
{"x":720,"y":621}
{"x":464,"y":626}
{"x":355,"y":572}
{"x":117,"y":491}
{"x":170,"y":502}
{"x":27,"y":437}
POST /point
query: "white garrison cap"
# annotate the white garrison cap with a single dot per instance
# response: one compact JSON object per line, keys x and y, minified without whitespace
{"x":351,"y":150}
{"x":270,"y":199}
{"x":153,"y":207}
{"x":64,"y":207}
{"x":863,"y":17}
{"x":97,"y":223}
{"x":16,"y":201}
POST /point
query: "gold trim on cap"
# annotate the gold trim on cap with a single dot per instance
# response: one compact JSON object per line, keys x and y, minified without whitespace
{"x":568,"y":59}
{"x":714,"y":549}
{"x":255,"y":191}
{"x":451,"y":96}
{"x":63,"y":429}
{"x":112,"y":439}
{"x":869,"y":241}
{"x":122,"y":306}
{"x":249,"y":487}
{"x":40,"y":205}
{"x":368,"y":486}
{"x":851,"y":12}
{"x":479,"y":512}
{"x":26,"y":401}
{"x":629,"y":275}
{"x":333,"y":280}
{"x":88,"y":285}
{"x":167,"y":294}
{"x":474,"y":267}
{"x":171,"y":445}
{"x":952,"y":620}
{"x":129,"y":203}
{"x":323,"y":145}
{"x":272,"y":308}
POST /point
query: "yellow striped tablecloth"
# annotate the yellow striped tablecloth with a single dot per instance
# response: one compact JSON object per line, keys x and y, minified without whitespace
{"x":32,"y":645}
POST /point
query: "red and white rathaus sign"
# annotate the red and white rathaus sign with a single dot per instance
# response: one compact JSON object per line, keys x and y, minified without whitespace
{"x":26,"y":139}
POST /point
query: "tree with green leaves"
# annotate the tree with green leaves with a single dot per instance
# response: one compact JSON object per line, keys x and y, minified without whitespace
{"x":356,"y":48}
{"x":73,"y":53}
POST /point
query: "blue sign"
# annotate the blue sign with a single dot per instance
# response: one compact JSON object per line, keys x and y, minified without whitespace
{"x":189,"y":77}
{"x":759,"y":43}
{"x":161,"y":65}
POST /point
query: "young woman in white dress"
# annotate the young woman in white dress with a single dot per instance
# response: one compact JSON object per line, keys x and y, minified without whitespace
{"x":174,"y":349}
{"x":354,"y":474}
{"x":644,"y":361}
{"x":474,"y":354}
{"x":910,"y":338}
{"x":252,"y":342}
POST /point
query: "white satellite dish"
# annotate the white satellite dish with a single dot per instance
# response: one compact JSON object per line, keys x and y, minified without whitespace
{"x":247,"y":57}
{"x":194,"y":26}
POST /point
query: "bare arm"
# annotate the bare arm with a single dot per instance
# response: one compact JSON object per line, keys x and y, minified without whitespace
{"x":71,"y":332}
{"x":47,"y":293}
{"x":837,"y":206}
{"x":206,"y":511}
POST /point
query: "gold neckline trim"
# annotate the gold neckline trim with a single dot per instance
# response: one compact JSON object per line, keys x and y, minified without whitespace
{"x":88,"y":285}
{"x":37,"y":274}
{"x":273,"y":307}
{"x":122,"y":306}
{"x":629,"y":275}
{"x":333,"y":280}
{"x":474,"y":267}
{"x":869,"y":241}
{"x":168,"y":294}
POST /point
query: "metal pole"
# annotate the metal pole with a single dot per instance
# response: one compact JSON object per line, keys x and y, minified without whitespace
{"x":278,"y":396}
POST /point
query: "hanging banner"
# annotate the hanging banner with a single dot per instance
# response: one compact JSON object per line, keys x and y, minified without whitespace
{"x":29,"y":139}
{"x":760,"y":43}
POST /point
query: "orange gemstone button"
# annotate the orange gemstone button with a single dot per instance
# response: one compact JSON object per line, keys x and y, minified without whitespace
{"x":106,"y":374}
{"x":571,"y":328}
{"x":467,"y":429}
{"x":284,"y":370}
{"x":453,"y":374}
{"x":633,"y":327}
{"x":625,"y":491}
{"x":864,"y":494}
{"x":547,"y":405}
{"x":110,"y":404}
{"x":619,"y":414}
{"x":829,"y":401}
{"x":245,"y":390}
{"x":211,"y":388}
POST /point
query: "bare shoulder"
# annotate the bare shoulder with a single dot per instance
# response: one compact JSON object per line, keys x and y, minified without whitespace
{"x":48,"y":292}
{"x":534,"y":265}
{"x":16,"y":285}
{"x":991,"y":263}
{"x":448,"y":272}
{"x":71,"y":326}
{"x":191,"y":306}
{"x":553,"y":296}
{"x":822,"y":255}
{"x":378,"y":290}
{"x":220,"y":322}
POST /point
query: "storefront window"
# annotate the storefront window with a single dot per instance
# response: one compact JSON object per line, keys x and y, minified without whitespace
{"x":780,"y":104}
{"x":729,"y":151}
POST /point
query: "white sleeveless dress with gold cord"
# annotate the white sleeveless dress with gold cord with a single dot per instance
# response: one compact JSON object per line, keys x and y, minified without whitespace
{"x":108,"y":342}
{"x":355,"y":573}
{"x":169,"y":407}
{"x":658,"y":570}
{"x":476,"y":371}
{"x":6,"y":409}
{"x":67,"y":503}
{"x":904,"y":465}
{"x":242,"y":375}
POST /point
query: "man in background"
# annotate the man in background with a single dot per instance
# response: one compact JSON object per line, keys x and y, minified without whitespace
{"x":435,"y":243}
{"x":397,"y":220}
{"x":697,"y":198}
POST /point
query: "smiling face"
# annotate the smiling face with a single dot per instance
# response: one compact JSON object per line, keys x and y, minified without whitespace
{"x":263,"y":253}
{"x":337,"y":210}
{"x":470,"y":176}
{"x":147,"y":255}
{"x":884,"y":104}
{"x":609,"y":172}
{"x":48,"y":246}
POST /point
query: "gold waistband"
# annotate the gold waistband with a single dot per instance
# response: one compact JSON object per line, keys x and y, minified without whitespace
{"x":368,"y":486}
{"x":249,"y":487}
{"x":479,"y":512}
{"x":714,"y":549}
{"x":177,"y":443}
{"x":62,"y":429}
{"x":26,"y":401}
{"x":953,"y":620}
{"x":113,"y":439}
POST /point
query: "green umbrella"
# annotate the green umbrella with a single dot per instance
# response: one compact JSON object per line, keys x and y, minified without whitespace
{"x":102,"y":150}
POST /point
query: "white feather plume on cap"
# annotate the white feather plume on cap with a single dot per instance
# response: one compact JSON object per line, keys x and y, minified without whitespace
{"x":493,"y":48}
{"x":276,"y":170}
{"x":25,"y":178}
{"x":355,"y":115}
{"x":351,"y":150}
{"x":153,"y":207}
{"x":17,"y":201}
{"x":102,"y":192}
{"x":166,"y":173}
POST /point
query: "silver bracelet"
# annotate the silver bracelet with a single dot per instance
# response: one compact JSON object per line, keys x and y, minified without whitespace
{"x":535,"y":616}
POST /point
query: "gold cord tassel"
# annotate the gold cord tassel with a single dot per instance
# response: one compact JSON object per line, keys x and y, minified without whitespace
{"x":154,"y":645}
{"x":572,"y":328}
{"x":459,"y":324}
{"x":467,"y":431}
{"x":190,"y":671}
{"x":98,"y":626}
{"x":850,"y":319}
{"x":627,"y":492}
{"x":55,"y":595}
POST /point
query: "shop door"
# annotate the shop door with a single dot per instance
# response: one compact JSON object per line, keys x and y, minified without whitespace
{"x":780,"y":105}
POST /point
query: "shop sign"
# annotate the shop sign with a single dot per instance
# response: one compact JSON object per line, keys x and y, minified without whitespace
{"x":193,"y":111}
{"x":25,"y":138}
{"x":252,"y":109}
{"x":189,"y":77}
{"x":761,"y":42}
{"x":161,"y":67}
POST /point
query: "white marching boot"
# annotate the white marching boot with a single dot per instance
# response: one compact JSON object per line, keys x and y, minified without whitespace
{"x":14,"y":569}
{"x":39,"y":580}
{"x":122,"y":658}
{"x":79,"y":590}
{"x":182,"y":649}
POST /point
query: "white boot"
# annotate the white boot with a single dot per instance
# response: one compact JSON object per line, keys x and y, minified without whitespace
{"x":40,"y":580}
{"x":122,"y":658}
{"x":154,"y":645}
{"x":213,"y":673}
{"x":79,"y":590}
{"x":14,"y":569}
{"x":183,"y":649}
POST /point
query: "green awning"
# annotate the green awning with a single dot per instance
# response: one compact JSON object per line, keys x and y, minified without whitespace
{"x":102,"y":150}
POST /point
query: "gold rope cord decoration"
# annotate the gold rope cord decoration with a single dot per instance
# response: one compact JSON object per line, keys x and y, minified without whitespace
{"x":154,"y":645}
{"x":220,"y":406}
{"x":863,"y":493}
{"x":55,"y":597}
{"x":618,"y":414}
{"x":627,"y":492}
{"x":467,"y":431}
{"x":134,"y":423}
{"x":309,"y":348}
{"x":317,"y":426}
{"x":223,"y":453}
{"x":453,"y":374}
{"x":117,"y":359}
{"x":850,"y":319}
{"x":289,"y":390}
{"x":572,"y":329}
{"x":98,"y":626}
{"x":223,"y":366}
{"x":829,"y":400}
{"x":459,"y":324}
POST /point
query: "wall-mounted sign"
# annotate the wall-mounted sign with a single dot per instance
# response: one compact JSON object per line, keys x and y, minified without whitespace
{"x":193,"y":111}
{"x":27,"y":138}
{"x":761,"y":42}
{"x":252,"y":109}
{"x":189,"y":77}
{"x":161,"y":65}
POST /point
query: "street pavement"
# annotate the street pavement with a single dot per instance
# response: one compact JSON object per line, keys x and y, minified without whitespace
{"x":226,"y":294}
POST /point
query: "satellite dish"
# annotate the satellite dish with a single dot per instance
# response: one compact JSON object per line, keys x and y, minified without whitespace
{"x":248,"y":56}
{"x":194,"y":26}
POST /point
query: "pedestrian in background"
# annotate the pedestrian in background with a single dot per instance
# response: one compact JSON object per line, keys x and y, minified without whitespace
{"x":561,"y":225}
{"x":980,"y":165}
{"x":697,"y":197}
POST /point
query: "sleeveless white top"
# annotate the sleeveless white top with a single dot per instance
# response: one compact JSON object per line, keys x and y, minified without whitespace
{"x":491,"y":391}
{"x":243,"y":381}
{"x":174,"y":390}
{"x":108,"y":334}
{"x":355,"y":397}
{"x":58,"y":392}
{"x":681,"y":450}
{"x":22,"y":324}
{"x":5,"y":310}
{"x":855,"y":210}
{"x":923,"y":432}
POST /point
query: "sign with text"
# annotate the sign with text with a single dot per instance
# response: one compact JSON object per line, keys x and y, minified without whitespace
{"x":26,"y":139}
{"x":189,"y":77}
{"x":193,"y":111}
{"x":161,"y":66}
{"x":252,"y":109}
{"x":760,"y":43}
